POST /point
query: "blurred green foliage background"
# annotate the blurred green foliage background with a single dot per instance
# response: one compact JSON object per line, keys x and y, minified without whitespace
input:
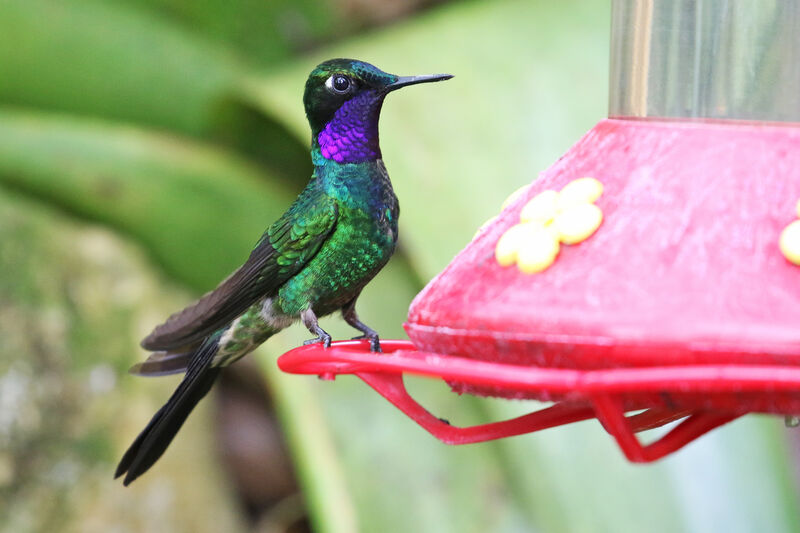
{"x":144,"y":147}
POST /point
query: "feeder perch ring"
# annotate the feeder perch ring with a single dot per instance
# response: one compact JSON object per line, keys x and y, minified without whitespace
{"x":604,"y":394}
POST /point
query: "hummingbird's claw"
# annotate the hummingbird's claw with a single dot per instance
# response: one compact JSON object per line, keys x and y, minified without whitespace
{"x":324,"y":338}
{"x":350,"y":316}
{"x":374,"y":341}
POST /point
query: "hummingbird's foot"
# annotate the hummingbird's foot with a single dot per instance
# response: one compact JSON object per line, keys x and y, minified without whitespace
{"x":324,"y":338}
{"x":374,"y":341}
{"x":310,"y":321}
{"x":350,"y":316}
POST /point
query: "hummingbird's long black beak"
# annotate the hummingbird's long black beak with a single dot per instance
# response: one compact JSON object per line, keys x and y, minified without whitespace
{"x":404,"y":81}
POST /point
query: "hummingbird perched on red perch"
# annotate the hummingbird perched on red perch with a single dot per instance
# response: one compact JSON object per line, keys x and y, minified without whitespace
{"x":311,"y":262}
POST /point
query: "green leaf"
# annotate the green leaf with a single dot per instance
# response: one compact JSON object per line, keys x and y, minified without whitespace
{"x":120,"y":61}
{"x":198,"y":209}
{"x":109,"y":59}
{"x":264,"y":32}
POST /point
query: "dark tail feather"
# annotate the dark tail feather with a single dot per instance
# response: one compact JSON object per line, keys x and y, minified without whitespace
{"x":154,"y":439}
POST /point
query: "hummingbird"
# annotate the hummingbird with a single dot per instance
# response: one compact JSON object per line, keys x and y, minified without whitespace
{"x":313,"y":261}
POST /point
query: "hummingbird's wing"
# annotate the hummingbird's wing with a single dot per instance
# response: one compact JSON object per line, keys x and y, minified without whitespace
{"x":165,"y":363}
{"x":283,"y":250}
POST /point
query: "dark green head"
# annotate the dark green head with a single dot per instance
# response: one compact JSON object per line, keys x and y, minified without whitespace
{"x":343,"y":99}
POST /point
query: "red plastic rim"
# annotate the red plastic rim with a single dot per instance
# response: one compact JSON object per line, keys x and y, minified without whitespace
{"x":606,"y":394}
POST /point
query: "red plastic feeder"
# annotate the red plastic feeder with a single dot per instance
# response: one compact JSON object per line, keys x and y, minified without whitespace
{"x":680,"y":306}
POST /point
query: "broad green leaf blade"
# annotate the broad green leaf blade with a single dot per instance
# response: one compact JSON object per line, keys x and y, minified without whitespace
{"x":124,"y":62}
{"x":530,"y":80}
{"x":198,"y":209}
{"x":109,"y":59}
{"x":264,"y":32}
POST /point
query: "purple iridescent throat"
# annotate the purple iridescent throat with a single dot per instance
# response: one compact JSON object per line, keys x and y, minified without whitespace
{"x":351,"y":136}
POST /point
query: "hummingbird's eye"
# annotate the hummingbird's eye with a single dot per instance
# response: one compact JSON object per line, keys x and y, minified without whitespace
{"x":338,"y":84}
